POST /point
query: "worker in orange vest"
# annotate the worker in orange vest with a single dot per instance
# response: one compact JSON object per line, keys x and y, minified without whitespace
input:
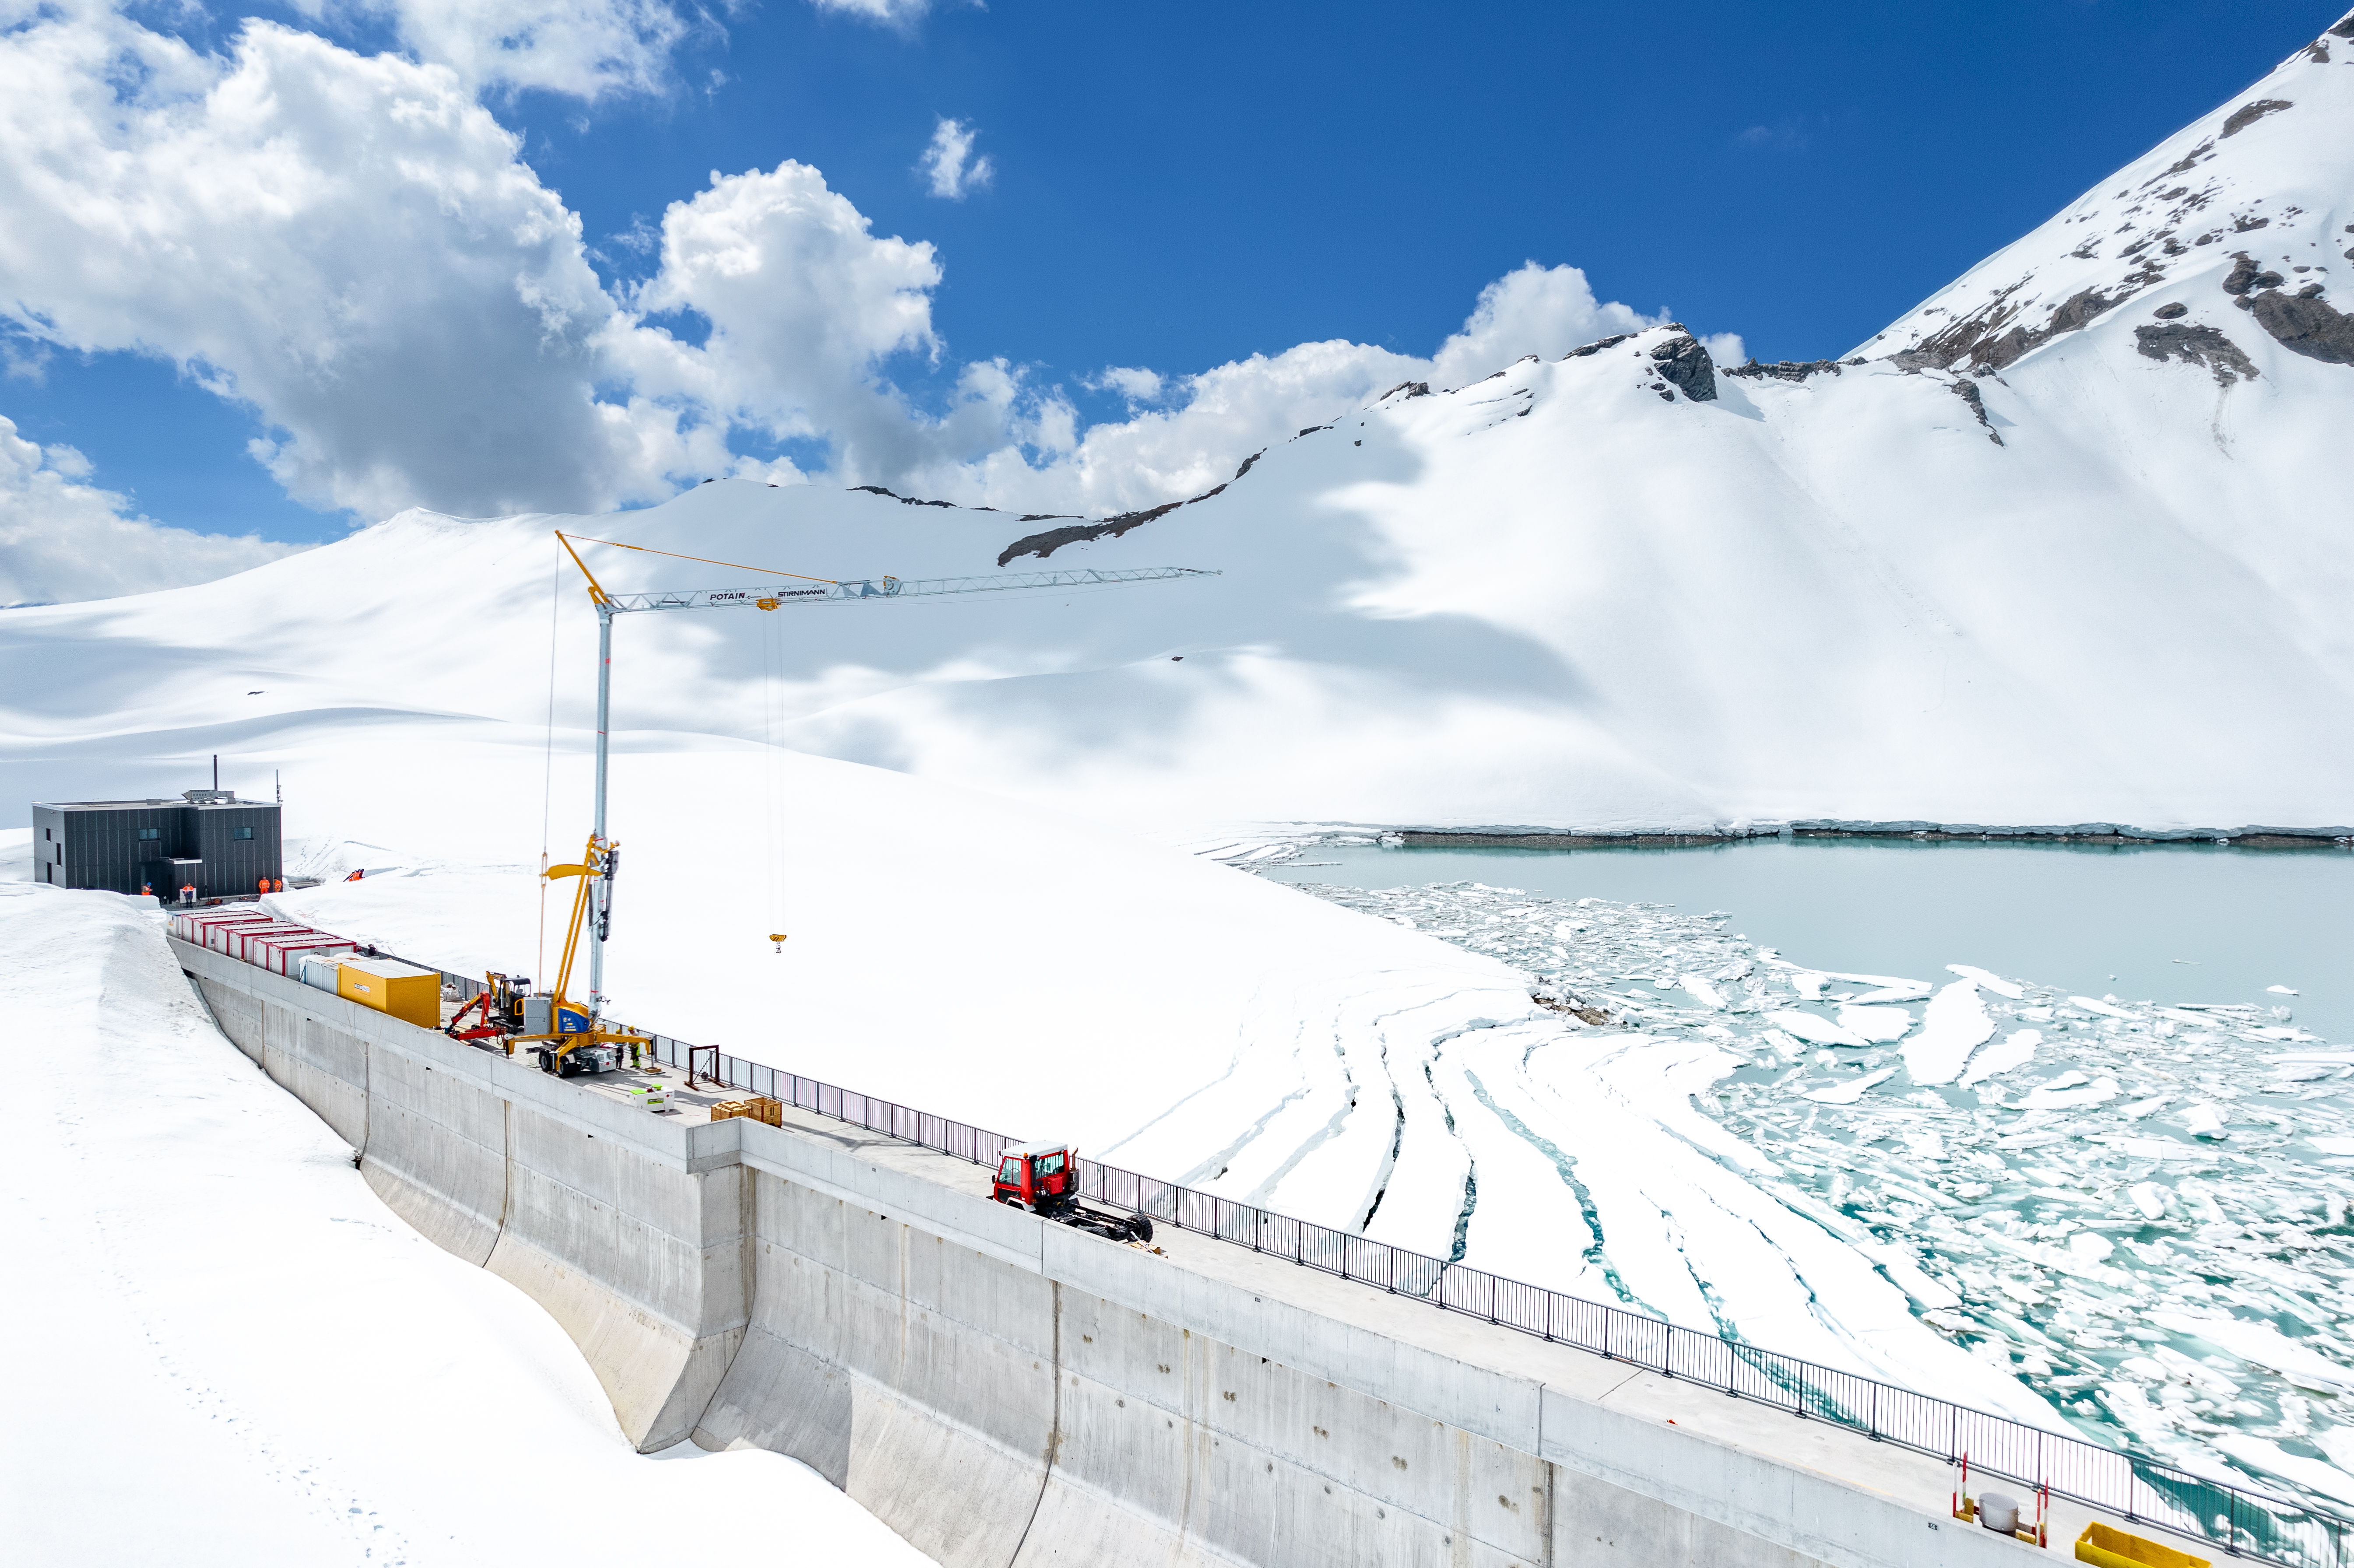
{"x":187,"y":893}
{"x":265,"y":885}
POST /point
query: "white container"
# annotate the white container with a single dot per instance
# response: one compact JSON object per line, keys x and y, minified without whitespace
{"x":324,"y":973}
{"x":282,"y":957}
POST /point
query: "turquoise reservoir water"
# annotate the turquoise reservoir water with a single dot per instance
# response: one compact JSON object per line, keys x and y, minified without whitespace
{"x":2169,"y":924}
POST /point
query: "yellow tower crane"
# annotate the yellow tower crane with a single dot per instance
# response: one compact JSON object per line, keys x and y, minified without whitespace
{"x":571,"y":1025}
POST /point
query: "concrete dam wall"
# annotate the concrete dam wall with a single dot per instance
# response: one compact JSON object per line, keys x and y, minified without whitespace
{"x":1001,"y":1390}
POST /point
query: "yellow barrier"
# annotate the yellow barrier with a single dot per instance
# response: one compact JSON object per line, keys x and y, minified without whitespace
{"x":2116,"y":1549}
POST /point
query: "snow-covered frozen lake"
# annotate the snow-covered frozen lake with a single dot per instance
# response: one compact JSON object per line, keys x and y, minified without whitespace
{"x":2169,"y":923}
{"x":2106,"y":1157}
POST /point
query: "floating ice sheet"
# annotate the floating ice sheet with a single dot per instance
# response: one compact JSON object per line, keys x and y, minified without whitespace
{"x":2139,"y":1210}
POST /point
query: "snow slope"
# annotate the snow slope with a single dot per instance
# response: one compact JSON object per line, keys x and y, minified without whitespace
{"x":2097,"y":575}
{"x":1616,"y":588}
{"x":224,"y":1350}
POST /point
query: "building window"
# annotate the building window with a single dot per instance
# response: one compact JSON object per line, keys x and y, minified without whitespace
{"x":244,"y":832}
{"x":151,"y":832}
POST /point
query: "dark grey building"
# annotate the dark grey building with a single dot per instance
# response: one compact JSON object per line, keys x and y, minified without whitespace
{"x":209,"y":839}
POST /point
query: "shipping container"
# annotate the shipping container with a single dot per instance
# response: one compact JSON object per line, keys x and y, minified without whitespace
{"x":404,"y":991}
{"x":241,"y":939}
{"x":279,"y":955}
{"x":323,"y":973}
{"x":217,"y":935}
{"x":188,"y":924}
{"x":197,"y":919}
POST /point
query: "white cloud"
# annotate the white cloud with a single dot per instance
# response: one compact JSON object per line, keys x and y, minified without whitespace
{"x":899,"y":14}
{"x":1222,"y":416}
{"x":62,"y":540}
{"x":949,"y":163}
{"x":354,"y":247}
{"x":803,"y":300}
{"x":1136,"y":386}
{"x":349,"y":245}
{"x":587,"y":48}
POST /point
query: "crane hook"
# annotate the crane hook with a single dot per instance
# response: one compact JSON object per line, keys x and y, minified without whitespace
{"x":778,"y":937}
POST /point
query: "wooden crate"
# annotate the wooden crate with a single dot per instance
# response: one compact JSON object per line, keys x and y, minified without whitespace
{"x":759,"y":1107}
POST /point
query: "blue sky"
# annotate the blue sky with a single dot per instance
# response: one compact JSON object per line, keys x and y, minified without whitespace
{"x":1176,"y":187}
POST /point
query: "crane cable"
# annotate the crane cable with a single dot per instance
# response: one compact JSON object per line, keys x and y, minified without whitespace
{"x":548,"y":761}
{"x":707,"y":560}
{"x":769,"y":758}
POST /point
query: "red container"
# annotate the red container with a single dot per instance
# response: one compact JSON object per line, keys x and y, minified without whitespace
{"x":216,"y":933}
{"x":241,"y":937}
{"x":189,"y":924}
{"x":281,"y":952}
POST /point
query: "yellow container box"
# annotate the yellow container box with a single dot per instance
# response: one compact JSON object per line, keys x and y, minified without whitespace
{"x":2116,"y":1549}
{"x":409,"y":994}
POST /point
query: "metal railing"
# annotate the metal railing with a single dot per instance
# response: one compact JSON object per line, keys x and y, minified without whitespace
{"x":2243,"y":1522}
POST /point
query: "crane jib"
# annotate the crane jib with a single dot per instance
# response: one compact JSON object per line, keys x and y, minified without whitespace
{"x":773,"y":598}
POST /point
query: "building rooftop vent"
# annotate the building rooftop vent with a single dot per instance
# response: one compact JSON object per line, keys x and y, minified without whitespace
{"x":209,"y":797}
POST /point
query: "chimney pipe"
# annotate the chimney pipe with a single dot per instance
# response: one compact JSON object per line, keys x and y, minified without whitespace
{"x":216,"y":770}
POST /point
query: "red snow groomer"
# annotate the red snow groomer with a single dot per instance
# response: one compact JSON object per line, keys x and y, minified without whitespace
{"x":1043,"y":1178}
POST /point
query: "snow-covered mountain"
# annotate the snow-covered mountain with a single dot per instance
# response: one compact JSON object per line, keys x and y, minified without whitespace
{"x":2067,"y":544}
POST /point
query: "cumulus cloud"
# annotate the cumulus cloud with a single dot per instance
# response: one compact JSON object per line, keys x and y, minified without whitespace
{"x":1136,"y":386}
{"x":899,"y":14}
{"x":349,"y":245}
{"x":586,"y":49}
{"x":62,"y":540}
{"x":1217,"y":417}
{"x":802,"y":300}
{"x":354,"y":247}
{"x":949,"y":163}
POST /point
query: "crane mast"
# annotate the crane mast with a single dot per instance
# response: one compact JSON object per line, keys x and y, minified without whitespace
{"x":592,"y":905}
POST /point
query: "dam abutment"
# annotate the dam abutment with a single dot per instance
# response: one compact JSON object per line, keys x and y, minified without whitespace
{"x":1001,"y":1390}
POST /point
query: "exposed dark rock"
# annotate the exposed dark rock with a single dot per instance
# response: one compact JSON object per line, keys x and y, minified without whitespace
{"x":2185,"y":161}
{"x":2310,"y":291}
{"x":1311,"y":431}
{"x":2247,"y":114}
{"x":1411,"y":389}
{"x":2248,"y":274}
{"x":2305,"y":324}
{"x":1667,"y":397}
{"x":2171,"y":312}
{"x":1593,"y":348}
{"x":1990,"y":351}
{"x":1044,"y":545}
{"x":1682,"y":360}
{"x":902,"y":499}
{"x":2196,"y":346}
{"x":2247,"y":223}
{"x":1788,"y":369}
{"x":1046,"y":516}
{"x":2317,"y":52}
{"x":1977,"y":401}
{"x":2345,"y":28}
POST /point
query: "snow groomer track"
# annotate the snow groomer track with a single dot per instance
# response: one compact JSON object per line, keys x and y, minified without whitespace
{"x":1003,"y":1389}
